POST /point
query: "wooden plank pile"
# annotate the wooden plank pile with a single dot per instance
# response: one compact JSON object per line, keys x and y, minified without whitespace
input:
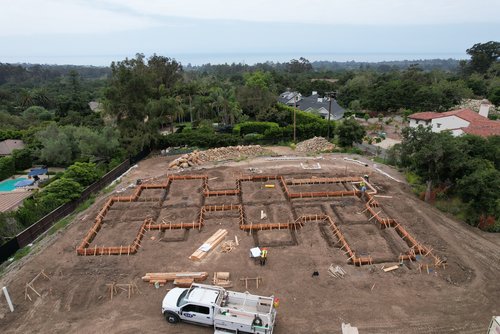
{"x":208,"y":245}
{"x":181,"y":277}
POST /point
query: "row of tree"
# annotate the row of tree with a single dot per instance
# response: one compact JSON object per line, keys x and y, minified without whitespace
{"x":466,"y":167}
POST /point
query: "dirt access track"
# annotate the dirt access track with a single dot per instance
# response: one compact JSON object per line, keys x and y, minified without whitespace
{"x":448,"y":280}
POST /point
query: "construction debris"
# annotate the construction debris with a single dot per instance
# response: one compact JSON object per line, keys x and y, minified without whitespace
{"x":131,"y":288}
{"x":32,"y":287}
{"x":316,"y":144}
{"x":256,"y":279}
{"x":337,"y":271}
{"x":227,"y":246}
{"x":208,"y":245}
{"x":221,"y":278}
{"x":162,"y":278}
{"x":218,"y":154}
{"x":390,"y":268}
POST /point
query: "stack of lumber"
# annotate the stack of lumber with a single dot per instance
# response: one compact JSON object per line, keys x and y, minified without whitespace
{"x":180,"y":277}
{"x":208,"y":245}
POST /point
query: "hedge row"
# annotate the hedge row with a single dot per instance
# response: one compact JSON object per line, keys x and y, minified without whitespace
{"x":197,"y":139}
{"x":246,"y":128}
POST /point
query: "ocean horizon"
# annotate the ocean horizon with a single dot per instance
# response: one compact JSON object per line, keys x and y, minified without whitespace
{"x":196,"y":59}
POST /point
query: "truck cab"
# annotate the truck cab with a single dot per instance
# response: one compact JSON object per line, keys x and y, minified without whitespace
{"x":191,"y":305}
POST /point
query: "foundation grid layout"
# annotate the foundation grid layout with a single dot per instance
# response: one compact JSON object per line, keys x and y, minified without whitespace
{"x":372,"y":210}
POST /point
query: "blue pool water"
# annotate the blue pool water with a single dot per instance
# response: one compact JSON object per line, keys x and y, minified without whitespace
{"x":8,"y":185}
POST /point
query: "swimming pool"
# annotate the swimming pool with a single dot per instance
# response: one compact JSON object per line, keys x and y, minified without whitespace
{"x":8,"y":185}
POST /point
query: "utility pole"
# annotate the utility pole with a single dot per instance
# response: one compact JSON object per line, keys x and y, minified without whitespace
{"x":331,"y":95}
{"x":295,"y":119}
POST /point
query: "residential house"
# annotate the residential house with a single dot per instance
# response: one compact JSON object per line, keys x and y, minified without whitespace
{"x":290,"y":98}
{"x":313,"y":103}
{"x":459,"y":122}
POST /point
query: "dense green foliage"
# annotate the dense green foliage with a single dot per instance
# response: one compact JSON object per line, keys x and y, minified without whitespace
{"x":254,"y":127}
{"x":85,"y":173}
{"x":22,"y":159}
{"x":467,"y":167}
{"x":7,"y":167}
{"x":349,"y":132}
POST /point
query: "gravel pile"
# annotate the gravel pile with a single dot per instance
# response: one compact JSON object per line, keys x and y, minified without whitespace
{"x":217,"y":154}
{"x":316,"y":144}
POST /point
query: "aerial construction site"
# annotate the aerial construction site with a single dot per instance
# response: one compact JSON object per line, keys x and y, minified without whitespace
{"x":347,"y":242}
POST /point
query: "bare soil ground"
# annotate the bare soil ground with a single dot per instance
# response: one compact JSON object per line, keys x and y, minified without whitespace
{"x":458,"y":299}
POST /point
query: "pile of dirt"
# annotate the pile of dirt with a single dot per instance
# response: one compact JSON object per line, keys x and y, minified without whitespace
{"x":316,"y":144}
{"x":218,"y":154}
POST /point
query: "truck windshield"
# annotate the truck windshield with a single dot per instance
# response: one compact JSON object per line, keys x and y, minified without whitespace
{"x":182,"y":298}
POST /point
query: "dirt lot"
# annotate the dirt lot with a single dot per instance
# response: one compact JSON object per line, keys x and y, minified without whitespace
{"x":458,"y":299}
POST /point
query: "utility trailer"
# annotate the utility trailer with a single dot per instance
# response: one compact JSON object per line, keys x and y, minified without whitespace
{"x":227,"y":311}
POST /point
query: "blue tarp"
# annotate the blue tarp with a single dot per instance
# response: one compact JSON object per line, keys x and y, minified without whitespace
{"x":37,"y":171}
{"x":24,"y":183}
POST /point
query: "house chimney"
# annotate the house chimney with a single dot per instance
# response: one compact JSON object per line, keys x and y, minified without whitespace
{"x":484,"y":109}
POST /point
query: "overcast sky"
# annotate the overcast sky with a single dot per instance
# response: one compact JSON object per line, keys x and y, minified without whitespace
{"x":99,"y":31}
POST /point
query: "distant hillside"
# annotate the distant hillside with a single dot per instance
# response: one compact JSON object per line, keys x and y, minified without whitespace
{"x":386,"y":66}
{"x":16,"y":73}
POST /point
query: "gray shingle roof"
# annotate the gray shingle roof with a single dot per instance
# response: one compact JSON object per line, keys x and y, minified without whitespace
{"x":314,"y":102}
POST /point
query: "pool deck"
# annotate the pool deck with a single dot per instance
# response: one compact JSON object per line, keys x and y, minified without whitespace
{"x":10,"y":200}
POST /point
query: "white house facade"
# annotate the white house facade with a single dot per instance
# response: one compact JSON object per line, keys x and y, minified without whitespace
{"x":458,"y":122}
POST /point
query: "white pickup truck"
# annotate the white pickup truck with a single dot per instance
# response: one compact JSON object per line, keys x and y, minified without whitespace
{"x":226,"y":311}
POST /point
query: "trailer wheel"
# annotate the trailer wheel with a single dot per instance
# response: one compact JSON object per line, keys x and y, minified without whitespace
{"x":171,"y":317}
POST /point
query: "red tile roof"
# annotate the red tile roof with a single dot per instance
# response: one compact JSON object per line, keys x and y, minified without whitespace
{"x":425,"y":116}
{"x":466,"y":114}
{"x":483,"y":129}
{"x":479,"y":125}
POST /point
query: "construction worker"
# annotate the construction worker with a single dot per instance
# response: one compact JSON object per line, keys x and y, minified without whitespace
{"x":263,"y":256}
{"x":362,"y":186}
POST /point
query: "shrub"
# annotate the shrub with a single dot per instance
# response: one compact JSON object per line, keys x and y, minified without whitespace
{"x":85,"y":173}
{"x":22,"y":158}
{"x":7,"y":167}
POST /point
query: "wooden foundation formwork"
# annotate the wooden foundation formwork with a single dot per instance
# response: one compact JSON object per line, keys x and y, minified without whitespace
{"x":323,"y":180}
{"x":340,"y":193}
{"x":148,"y":224}
{"x":414,"y":246}
{"x":220,"y":208}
